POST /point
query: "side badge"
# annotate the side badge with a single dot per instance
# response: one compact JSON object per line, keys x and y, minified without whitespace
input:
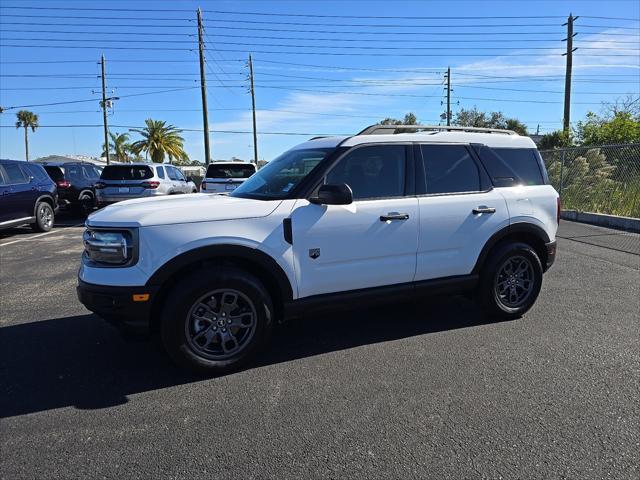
{"x":314,"y":253}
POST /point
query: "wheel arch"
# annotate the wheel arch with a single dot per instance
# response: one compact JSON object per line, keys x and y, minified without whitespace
{"x":43,"y":198}
{"x":254,"y":261}
{"x":517,"y":232}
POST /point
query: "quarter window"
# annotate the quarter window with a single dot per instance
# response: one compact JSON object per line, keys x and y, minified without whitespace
{"x":376,"y":171}
{"x":449,"y":169}
{"x":511,"y":166}
{"x":160,"y":171}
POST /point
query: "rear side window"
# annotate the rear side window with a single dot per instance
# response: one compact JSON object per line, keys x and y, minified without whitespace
{"x":74,"y":173}
{"x":126,"y":172}
{"x":55,"y":173}
{"x":449,"y":169}
{"x":230,"y":171}
{"x":14,"y":174}
{"x":160,"y":171}
{"x":511,"y":166}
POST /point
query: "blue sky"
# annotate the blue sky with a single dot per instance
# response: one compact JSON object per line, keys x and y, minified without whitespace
{"x":313,"y":83}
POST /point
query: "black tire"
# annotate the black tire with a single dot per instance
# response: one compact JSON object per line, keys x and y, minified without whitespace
{"x":177,"y":321}
{"x":45,"y":217}
{"x":86,"y":204}
{"x":493,"y":273}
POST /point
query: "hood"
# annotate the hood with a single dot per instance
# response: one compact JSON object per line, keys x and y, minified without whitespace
{"x":171,"y":209}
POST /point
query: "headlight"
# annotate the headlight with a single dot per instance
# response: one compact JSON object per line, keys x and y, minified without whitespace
{"x":103,"y":247}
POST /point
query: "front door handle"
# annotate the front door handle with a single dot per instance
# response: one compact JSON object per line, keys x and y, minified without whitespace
{"x":483,"y":209}
{"x":394,"y":216}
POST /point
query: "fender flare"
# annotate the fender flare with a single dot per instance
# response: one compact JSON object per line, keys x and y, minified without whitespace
{"x":514,"y":228}
{"x":250,"y":255}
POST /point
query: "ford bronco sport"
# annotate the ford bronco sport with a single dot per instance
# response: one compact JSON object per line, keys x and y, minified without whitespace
{"x":333,"y":221}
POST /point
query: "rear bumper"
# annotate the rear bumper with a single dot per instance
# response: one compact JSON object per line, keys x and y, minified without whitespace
{"x":551,"y":254}
{"x":117,"y":306}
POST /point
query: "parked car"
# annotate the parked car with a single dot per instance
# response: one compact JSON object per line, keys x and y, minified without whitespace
{"x":27,"y":196}
{"x":224,"y":177}
{"x":76,"y":184}
{"x":138,"y":180}
{"x":333,"y":222}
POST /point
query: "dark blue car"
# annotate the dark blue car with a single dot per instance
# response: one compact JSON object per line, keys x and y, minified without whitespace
{"x":27,"y":196}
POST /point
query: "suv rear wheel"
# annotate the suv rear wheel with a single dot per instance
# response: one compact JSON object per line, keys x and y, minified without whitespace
{"x":510,"y":281}
{"x":216,"y":320}
{"x":44,"y":217}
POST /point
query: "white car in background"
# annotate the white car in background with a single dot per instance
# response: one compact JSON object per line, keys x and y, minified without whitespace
{"x":225,"y":177}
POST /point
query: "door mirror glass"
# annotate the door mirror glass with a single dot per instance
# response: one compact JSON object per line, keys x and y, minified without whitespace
{"x":333,"y":194}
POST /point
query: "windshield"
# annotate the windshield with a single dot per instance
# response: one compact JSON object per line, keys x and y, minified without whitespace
{"x":230,"y":171}
{"x":278,"y":177}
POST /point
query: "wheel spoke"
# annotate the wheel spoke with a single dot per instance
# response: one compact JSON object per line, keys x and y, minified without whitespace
{"x":229,"y":302}
{"x":226,"y":338}
{"x":240,"y":321}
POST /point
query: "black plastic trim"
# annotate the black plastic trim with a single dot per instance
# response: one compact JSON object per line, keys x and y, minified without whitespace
{"x":287,"y":230}
{"x":224,"y":252}
{"x":116,"y":305}
{"x":379,"y":295}
{"x":518,"y":227}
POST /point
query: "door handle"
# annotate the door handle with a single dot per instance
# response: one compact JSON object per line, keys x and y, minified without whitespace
{"x":394,"y":216}
{"x":483,"y":209}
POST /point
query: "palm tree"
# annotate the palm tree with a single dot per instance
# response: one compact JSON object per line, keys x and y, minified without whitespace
{"x":27,"y":120}
{"x":119,"y":146}
{"x":160,"y":140}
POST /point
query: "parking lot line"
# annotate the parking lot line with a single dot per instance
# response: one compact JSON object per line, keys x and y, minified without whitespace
{"x":39,"y":235}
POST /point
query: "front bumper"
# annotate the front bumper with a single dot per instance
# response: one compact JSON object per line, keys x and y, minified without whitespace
{"x":117,"y":305}
{"x":551,"y":254}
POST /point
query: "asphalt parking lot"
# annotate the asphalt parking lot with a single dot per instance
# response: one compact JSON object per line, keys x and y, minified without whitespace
{"x":432,"y":390}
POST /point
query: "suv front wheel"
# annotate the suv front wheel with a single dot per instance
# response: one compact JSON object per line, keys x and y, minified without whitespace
{"x":216,"y":320}
{"x":510,"y":281}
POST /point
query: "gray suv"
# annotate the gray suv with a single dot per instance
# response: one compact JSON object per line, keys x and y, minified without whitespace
{"x":139,"y":180}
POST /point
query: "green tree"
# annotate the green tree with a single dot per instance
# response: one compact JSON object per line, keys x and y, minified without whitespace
{"x":409,"y":119}
{"x":557,"y":139}
{"x":621,"y":127}
{"x":160,"y":140}
{"x":473,"y":117}
{"x":119,"y":147}
{"x":27,"y":120}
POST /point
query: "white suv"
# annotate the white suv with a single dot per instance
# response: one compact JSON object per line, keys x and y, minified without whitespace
{"x":225,"y":177}
{"x":332,"y":222}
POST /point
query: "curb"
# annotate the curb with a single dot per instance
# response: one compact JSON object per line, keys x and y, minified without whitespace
{"x":627,"y":224}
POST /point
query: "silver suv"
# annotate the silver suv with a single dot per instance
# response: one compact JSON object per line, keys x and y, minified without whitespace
{"x":225,"y":177}
{"x":138,"y":180}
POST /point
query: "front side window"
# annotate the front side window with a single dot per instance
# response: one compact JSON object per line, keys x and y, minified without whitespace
{"x":280,"y":176}
{"x":172,"y":173}
{"x":375,"y":171}
{"x":449,"y":169}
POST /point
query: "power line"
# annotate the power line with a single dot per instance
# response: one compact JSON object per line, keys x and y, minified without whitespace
{"x":95,"y":99}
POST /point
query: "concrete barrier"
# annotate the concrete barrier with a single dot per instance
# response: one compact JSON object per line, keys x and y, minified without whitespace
{"x":627,"y":224}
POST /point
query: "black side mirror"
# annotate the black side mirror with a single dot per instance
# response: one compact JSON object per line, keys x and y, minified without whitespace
{"x":338,"y":194}
{"x":190,"y":179}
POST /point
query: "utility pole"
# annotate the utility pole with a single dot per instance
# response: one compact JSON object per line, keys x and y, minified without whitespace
{"x":253,"y":103}
{"x":203,"y":89}
{"x":567,"y":79}
{"x":448,"y":96}
{"x":104,"y":109}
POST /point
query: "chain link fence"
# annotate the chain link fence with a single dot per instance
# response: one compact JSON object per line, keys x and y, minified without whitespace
{"x":598,"y":179}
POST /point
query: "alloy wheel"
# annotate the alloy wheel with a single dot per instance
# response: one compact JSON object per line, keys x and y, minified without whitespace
{"x":514,"y":281}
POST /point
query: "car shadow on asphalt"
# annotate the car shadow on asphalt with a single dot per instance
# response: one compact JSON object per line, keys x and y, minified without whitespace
{"x":82,"y":362}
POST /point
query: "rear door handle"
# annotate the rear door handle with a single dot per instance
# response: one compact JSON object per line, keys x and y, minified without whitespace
{"x":483,"y":209}
{"x":394,"y":216}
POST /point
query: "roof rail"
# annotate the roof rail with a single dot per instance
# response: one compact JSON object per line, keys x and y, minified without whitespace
{"x":393,"y":129}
